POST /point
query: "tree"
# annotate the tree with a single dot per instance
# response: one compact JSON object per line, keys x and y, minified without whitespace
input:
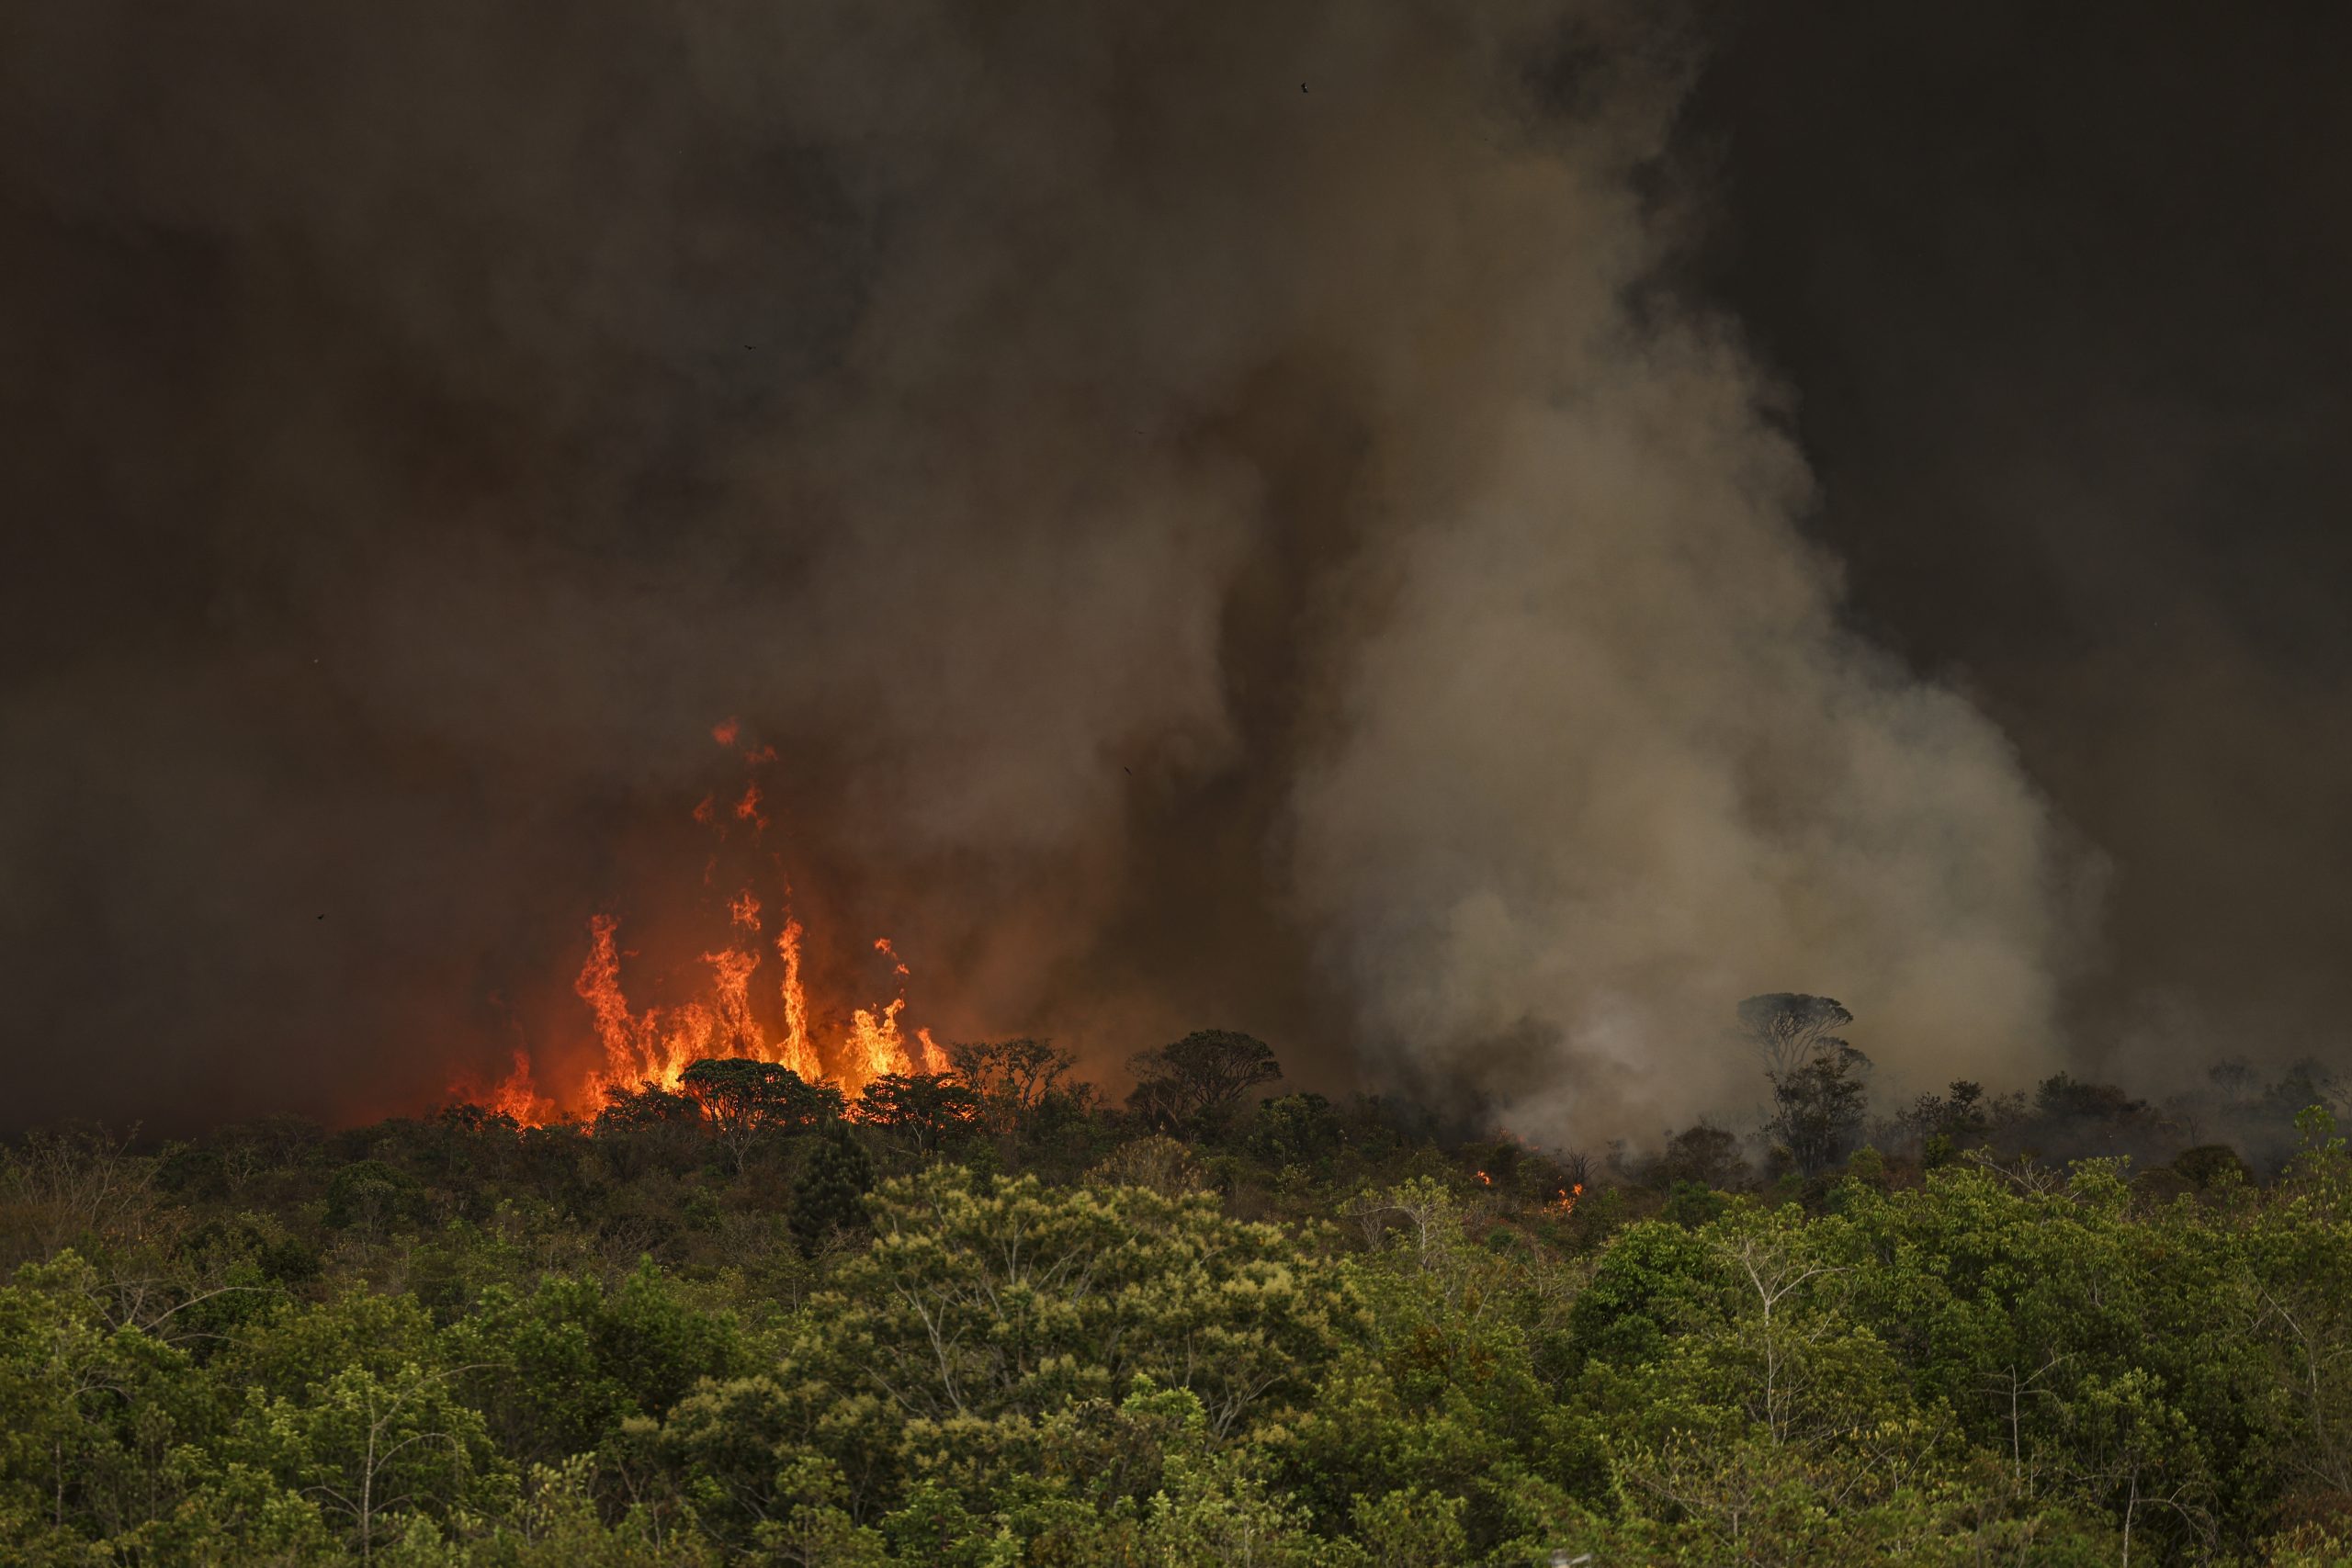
{"x":1704,"y":1154}
{"x":1818,"y":1095}
{"x":1817,"y":1110}
{"x":746,"y":1102}
{"x":989,"y":1297}
{"x":1011,"y":1078}
{"x":370,"y":1448}
{"x":925,"y":1110}
{"x":647,"y":1105}
{"x":369,"y":1194}
{"x":1788,"y":1028}
{"x":1200,"y":1080}
{"x":1295,"y":1128}
{"x":1944,"y":1124}
{"x":832,"y":1191}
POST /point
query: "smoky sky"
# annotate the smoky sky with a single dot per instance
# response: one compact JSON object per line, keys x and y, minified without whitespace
{"x":1461,"y":540}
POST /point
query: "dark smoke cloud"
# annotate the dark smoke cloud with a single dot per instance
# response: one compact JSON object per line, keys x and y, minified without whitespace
{"x":2063,"y":289}
{"x":1215,"y":506}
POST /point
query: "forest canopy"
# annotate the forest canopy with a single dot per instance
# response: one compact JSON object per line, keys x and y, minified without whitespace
{"x":983,"y":1317}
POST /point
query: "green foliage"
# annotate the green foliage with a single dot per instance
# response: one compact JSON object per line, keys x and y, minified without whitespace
{"x":733,"y":1090}
{"x":454,"y":1341}
{"x":1692,"y":1204}
{"x":986,"y":1300}
{"x":2212,"y":1166}
{"x":829,"y":1200}
{"x":1295,"y":1130}
{"x":370,"y":1195}
{"x":1014,"y":1080}
{"x":748,"y":1102}
{"x":646,"y":1106}
{"x":925,"y":1111}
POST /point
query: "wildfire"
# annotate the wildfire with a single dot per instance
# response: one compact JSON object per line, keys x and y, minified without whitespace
{"x":515,"y":1095}
{"x":734,"y":1013}
{"x":1565,"y":1204}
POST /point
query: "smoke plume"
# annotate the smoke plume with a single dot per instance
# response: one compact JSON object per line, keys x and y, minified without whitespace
{"x":1212,"y":506}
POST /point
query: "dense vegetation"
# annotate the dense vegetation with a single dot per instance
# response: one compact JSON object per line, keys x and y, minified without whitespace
{"x":981,"y":1319}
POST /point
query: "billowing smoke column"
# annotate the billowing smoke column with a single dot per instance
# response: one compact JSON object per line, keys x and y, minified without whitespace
{"x":1207,"y":502}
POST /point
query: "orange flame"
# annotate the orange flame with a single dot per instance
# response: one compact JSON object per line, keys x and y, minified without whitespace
{"x":739,"y":1032}
{"x":875,"y":1047}
{"x":514,"y":1095}
{"x":798,"y":1055}
{"x":656,"y":1046}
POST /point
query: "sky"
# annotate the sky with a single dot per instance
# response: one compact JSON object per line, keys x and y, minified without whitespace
{"x":1461,"y":541}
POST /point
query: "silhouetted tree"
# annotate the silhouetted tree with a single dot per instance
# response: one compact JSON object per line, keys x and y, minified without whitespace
{"x":1200,"y":1080}
{"x":647,"y":1105}
{"x":2209,"y":1164}
{"x":2062,"y":1096}
{"x":1011,"y":1078}
{"x":1818,"y":1094}
{"x":925,"y":1110}
{"x":2305,"y":1083}
{"x":747,"y":1100}
{"x":1786,"y":1028}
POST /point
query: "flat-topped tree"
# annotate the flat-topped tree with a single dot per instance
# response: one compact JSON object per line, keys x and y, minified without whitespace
{"x":1011,"y":1079}
{"x":926,"y":1109}
{"x":1200,"y":1080}
{"x":1817,"y":1089}
{"x":746,"y":1100}
{"x":1787,"y":1027}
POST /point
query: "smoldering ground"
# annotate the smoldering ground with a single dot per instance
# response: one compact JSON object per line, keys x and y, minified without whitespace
{"x":1211,"y":505}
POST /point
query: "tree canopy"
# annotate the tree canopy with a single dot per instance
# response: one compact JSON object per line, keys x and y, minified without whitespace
{"x":1200,"y":1079}
{"x":986,"y":1320}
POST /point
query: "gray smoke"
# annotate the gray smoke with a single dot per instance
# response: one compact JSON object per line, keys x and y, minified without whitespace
{"x":1207,"y":503}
